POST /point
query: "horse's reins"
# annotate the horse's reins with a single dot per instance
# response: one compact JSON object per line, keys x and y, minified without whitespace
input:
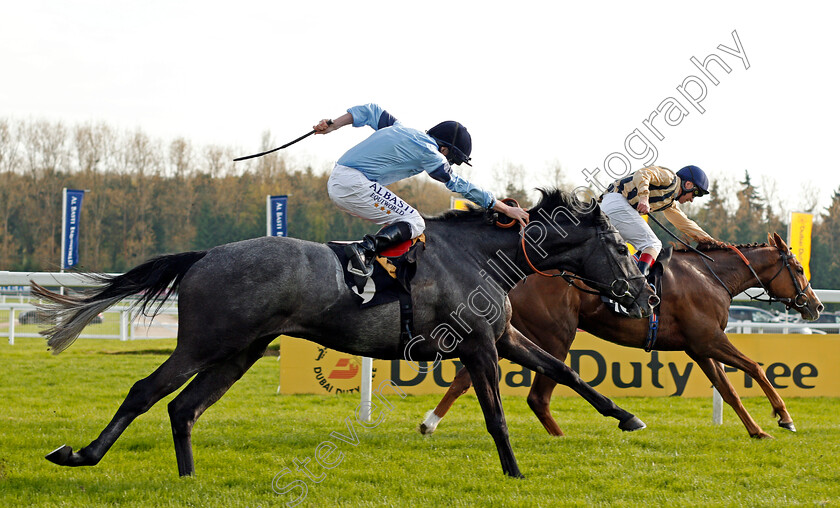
{"x":675,"y":237}
{"x":618,"y":288}
{"x":790,"y":302}
{"x":622,"y":289}
{"x":800,"y":292}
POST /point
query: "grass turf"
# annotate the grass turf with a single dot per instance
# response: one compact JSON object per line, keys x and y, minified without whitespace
{"x":248,"y":437}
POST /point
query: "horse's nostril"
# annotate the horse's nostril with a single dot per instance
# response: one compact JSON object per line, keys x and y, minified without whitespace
{"x":820,"y":308}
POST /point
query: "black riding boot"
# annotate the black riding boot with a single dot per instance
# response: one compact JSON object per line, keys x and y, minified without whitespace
{"x":362,"y":253}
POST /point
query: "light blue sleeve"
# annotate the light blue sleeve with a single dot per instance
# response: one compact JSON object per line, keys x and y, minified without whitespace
{"x":372,"y":115}
{"x":440,"y":170}
{"x":472,"y":192}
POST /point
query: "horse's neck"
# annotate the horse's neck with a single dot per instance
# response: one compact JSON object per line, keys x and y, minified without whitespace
{"x":741,"y":277}
{"x":493,"y":252}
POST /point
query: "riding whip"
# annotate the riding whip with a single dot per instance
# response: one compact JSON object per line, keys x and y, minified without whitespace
{"x":678,"y":239}
{"x":290,"y":143}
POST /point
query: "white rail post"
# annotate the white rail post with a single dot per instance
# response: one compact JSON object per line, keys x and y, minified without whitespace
{"x":12,"y":326}
{"x":124,"y":324}
{"x":131,"y":320}
{"x":366,"y":388}
{"x":717,"y":407}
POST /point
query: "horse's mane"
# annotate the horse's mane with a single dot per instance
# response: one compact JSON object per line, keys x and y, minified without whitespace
{"x":550,"y":200}
{"x":711,"y":246}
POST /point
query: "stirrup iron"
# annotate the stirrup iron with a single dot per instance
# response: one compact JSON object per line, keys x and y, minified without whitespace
{"x":355,"y":251}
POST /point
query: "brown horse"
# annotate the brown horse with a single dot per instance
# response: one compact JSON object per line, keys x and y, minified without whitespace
{"x":692,"y":318}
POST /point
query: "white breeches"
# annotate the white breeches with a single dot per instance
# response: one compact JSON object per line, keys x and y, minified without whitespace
{"x":351,"y":191}
{"x":629,"y":223}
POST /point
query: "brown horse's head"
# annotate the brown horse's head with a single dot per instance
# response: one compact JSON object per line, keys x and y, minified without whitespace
{"x":789,"y":283}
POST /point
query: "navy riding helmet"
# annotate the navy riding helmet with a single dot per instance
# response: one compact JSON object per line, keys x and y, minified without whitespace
{"x":454,"y":136}
{"x":697,"y":177}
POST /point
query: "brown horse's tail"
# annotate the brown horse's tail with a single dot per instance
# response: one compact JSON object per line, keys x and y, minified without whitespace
{"x":155,"y":281}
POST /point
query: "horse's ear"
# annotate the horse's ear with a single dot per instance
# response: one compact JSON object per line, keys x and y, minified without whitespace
{"x":780,"y":244}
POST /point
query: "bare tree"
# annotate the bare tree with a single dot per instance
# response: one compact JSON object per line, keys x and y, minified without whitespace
{"x":776,"y":204}
{"x":215,"y":159}
{"x":11,"y":196}
{"x":510,"y":182}
{"x":555,"y":176}
{"x":809,"y":197}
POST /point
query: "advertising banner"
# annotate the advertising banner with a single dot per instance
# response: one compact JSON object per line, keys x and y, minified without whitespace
{"x":799,"y":239}
{"x":460,"y":203}
{"x":70,"y":217}
{"x":796,"y":365}
{"x":275,"y":215}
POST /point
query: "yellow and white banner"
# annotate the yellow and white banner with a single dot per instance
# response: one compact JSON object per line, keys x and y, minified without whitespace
{"x":799,"y":239}
{"x":797,"y":365}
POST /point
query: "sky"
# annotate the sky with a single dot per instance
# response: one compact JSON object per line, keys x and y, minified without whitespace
{"x":538,"y":84}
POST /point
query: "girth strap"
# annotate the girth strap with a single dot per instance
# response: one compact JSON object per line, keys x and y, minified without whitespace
{"x":652,"y":330}
{"x":406,"y":318}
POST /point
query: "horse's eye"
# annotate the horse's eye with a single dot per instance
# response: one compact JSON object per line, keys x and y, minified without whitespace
{"x":622,"y":249}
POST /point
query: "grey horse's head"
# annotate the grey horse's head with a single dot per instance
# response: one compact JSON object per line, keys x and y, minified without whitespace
{"x":568,"y":234}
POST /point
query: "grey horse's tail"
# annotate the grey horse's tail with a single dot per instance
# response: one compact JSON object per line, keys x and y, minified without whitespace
{"x":155,"y":281}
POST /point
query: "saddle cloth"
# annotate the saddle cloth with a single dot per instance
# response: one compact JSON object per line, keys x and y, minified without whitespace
{"x":392,"y":273}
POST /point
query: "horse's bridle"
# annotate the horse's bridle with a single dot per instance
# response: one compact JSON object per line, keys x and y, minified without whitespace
{"x":618,"y":288}
{"x":798,"y":301}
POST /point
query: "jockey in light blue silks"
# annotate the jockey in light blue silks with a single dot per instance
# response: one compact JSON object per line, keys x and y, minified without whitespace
{"x":394,"y":152}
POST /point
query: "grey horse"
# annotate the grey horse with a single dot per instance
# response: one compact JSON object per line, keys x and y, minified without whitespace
{"x":233,"y":300}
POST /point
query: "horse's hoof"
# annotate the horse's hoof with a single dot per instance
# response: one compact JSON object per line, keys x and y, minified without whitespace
{"x":60,"y":455}
{"x":762,"y":435}
{"x":430,"y":422}
{"x":631,"y":424}
{"x":789,"y":426}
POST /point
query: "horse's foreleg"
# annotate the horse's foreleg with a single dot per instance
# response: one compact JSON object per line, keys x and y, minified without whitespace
{"x":539,"y":400}
{"x":202,"y":392}
{"x":517,"y":348}
{"x":483,"y":368}
{"x":174,"y":372}
{"x":459,"y":386}
{"x":717,"y":376}
{"x":730,"y":355}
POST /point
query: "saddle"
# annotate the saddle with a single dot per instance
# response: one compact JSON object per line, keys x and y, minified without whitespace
{"x":654,"y":278}
{"x":390,"y":281}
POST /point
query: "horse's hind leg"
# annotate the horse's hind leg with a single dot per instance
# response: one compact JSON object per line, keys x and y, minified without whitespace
{"x":517,"y":348}
{"x":459,"y":386}
{"x":539,"y":400}
{"x":172,"y":373}
{"x":202,"y":392}
{"x":557,"y":344}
